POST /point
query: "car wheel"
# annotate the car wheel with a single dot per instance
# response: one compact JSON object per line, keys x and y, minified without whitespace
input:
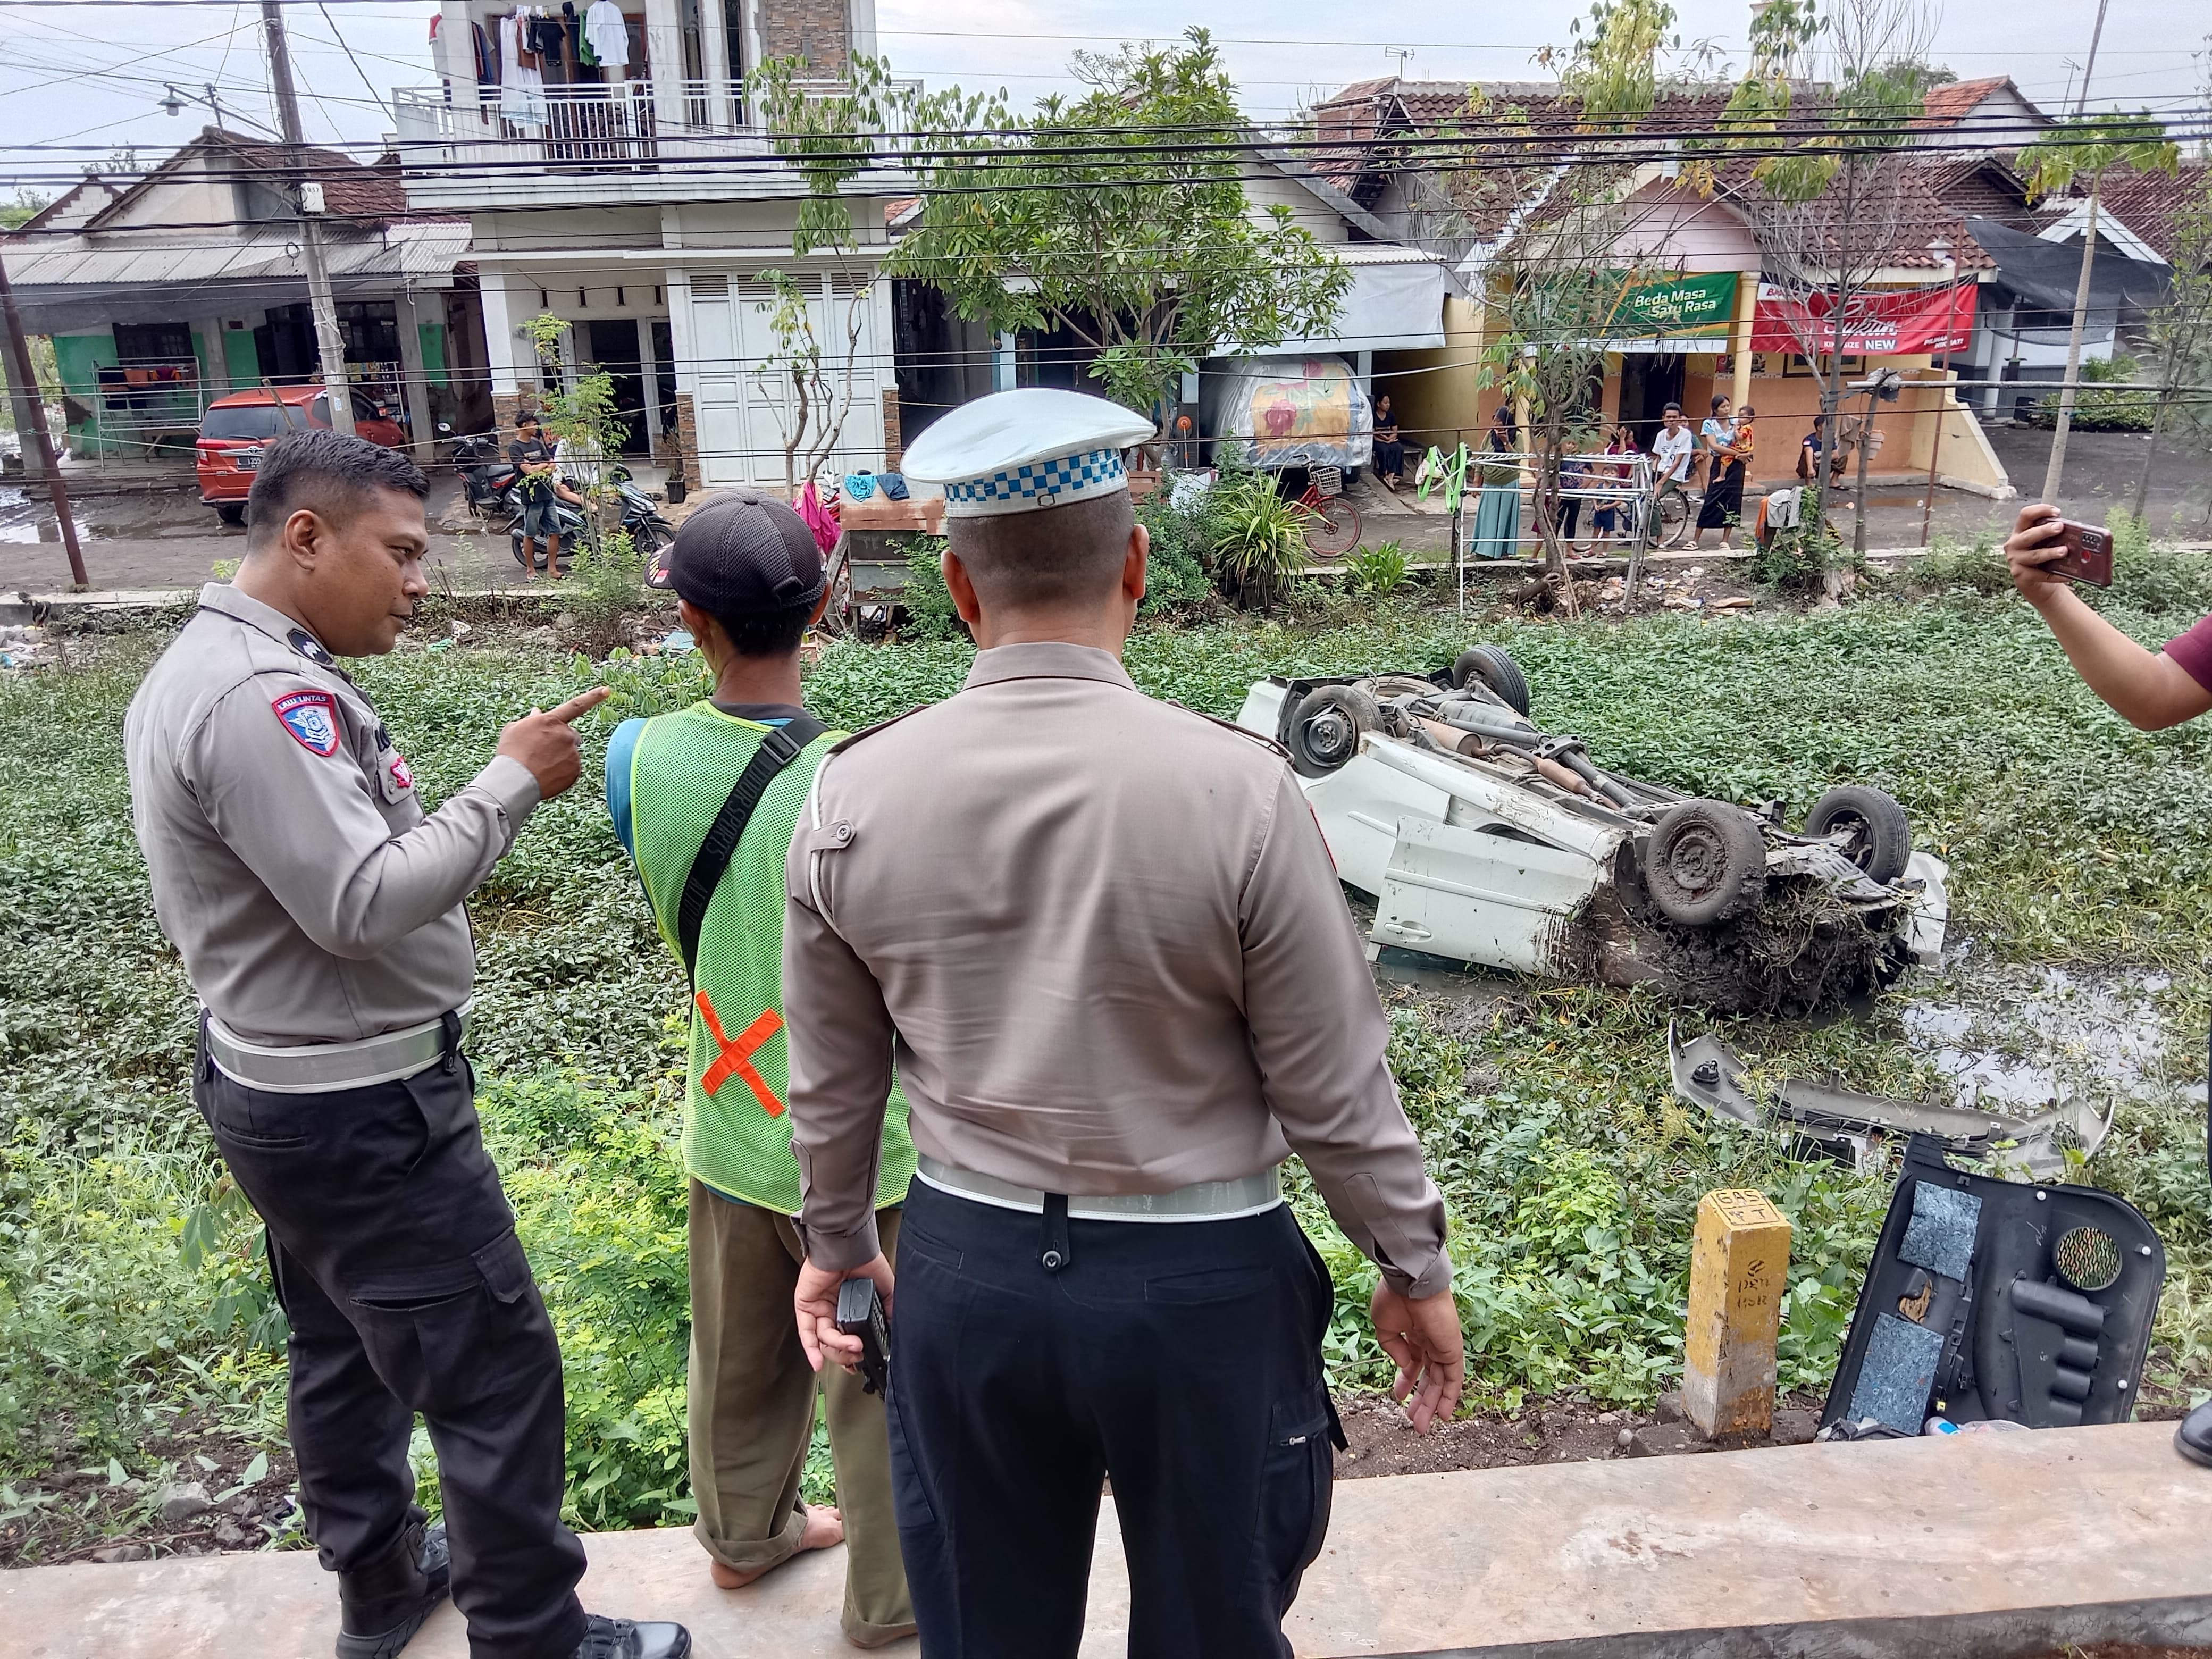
{"x":232,"y":513}
{"x":1325,"y":728}
{"x":1705,"y":862}
{"x":1494,"y":668}
{"x":1880,"y":835}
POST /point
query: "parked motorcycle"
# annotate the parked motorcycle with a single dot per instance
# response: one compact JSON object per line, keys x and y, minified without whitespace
{"x":487,"y":475}
{"x":641,"y":517}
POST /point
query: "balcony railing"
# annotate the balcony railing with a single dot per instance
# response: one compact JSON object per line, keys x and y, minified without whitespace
{"x":630,"y":124}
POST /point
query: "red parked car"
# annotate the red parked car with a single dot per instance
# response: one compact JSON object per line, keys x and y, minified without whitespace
{"x":235,"y":427}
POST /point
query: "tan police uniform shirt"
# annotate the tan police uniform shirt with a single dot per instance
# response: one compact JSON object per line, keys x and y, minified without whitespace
{"x":1103,"y":940}
{"x":293,"y":867}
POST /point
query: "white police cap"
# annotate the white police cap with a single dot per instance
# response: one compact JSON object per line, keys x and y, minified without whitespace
{"x":1015,"y":452}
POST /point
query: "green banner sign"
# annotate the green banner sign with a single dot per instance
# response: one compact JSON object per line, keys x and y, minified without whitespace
{"x":1678,"y":308}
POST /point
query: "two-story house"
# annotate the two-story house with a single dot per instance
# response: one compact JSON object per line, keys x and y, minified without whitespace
{"x":615,"y":178}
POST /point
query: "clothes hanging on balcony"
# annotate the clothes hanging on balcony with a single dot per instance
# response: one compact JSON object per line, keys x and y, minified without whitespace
{"x":547,"y":35}
{"x":522,"y":88}
{"x":607,"y":34}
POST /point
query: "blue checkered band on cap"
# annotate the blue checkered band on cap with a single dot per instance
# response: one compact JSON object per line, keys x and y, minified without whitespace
{"x":1053,"y":482}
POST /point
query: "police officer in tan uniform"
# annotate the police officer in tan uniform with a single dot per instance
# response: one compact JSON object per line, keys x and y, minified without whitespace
{"x":1102,"y":938}
{"x":319,"y":912}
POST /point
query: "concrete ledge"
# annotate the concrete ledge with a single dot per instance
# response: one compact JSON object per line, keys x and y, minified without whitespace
{"x":1973,"y":1548}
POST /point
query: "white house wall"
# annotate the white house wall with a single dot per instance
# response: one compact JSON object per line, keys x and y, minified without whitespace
{"x":743,"y":410}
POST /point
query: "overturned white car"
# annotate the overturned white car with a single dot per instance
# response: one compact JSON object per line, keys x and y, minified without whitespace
{"x":1481,"y":837}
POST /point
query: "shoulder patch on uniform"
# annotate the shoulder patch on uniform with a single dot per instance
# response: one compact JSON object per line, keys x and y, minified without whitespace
{"x":310,"y":648}
{"x":1243,"y":731}
{"x":311,"y":718}
{"x":866,"y":732}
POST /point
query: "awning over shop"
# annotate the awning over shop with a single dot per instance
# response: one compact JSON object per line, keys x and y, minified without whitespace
{"x":67,"y":283}
{"x":2038,"y":276}
{"x":1396,"y":302}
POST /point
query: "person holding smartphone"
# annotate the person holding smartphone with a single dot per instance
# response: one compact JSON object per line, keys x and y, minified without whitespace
{"x":2150,"y":689}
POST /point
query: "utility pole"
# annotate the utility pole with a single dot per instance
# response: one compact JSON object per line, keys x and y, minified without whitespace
{"x":22,"y":374}
{"x":2055,"y":472}
{"x":2090,"y":68}
{"x":328,"y":342}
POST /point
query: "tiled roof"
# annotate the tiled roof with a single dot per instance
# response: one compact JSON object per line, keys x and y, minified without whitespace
{"x":1494,"y":184}
{"x":348,"y":188}
{"x":2148,"y":202}
{"x":1979,"y":187}
{"x":1901,"y":200}
{"x":365,"y":196}
{"x":1954,"y":101}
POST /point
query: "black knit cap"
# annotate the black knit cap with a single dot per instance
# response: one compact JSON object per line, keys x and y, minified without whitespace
{"x":739,"y":553}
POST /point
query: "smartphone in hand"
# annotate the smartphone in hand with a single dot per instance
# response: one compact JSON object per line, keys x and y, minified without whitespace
{"x":2088,"y":555}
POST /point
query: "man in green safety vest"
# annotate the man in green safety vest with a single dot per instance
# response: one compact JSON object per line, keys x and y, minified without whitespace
{"x":706,"y":800}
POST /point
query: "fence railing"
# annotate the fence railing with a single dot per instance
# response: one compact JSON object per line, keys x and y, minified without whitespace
{"x":155,"y":402}
{"x":621,"y":123}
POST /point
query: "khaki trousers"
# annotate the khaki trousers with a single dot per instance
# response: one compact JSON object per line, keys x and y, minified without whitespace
{"x":751,"y":1402}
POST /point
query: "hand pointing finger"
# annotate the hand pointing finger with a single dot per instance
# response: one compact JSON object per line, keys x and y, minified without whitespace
{"x":582,"y":704}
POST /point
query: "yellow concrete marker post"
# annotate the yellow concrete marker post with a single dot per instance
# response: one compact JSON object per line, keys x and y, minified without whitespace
{"x":1739,"y":1268}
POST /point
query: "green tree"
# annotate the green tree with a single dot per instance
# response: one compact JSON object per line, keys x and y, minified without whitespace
{"x":26,"y":203}
{"x":1828,"y":205}
{"x":580,"y":413}
{"x":1554,"y":297}
{"x":2180,"y":332}
{"x":810,"y":385}
{"x":2087,"y":147}
{"x":1083,"y":216}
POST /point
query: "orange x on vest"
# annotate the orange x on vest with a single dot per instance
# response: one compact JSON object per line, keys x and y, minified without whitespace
{"x":736,"y":1056}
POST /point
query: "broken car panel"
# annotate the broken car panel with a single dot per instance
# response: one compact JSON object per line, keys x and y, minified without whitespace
{"x":1852,"y":1126}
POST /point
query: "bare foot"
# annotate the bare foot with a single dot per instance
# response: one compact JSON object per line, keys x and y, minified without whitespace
{"x":825,"y":1527}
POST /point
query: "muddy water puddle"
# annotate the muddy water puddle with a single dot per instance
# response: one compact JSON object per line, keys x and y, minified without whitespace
{"x":2013,"y":1038}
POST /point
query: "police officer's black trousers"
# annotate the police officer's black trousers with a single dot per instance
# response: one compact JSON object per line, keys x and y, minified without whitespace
{"x":394,"y":1253}
{"x":1180,"y":1360}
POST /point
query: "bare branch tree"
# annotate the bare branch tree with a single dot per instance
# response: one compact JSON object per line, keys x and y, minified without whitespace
{"x":1827,"y":207}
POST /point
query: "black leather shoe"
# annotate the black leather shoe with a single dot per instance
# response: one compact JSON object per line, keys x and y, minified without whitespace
{"x":623,"y":1638}
{"x":2193,"y":1439}
{"x":382,"y":1605}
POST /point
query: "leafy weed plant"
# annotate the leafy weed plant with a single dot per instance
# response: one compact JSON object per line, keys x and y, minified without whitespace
{"x":1569,"y":1170}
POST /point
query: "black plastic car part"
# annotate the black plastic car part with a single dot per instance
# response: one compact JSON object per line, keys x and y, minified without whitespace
{"x":1997,"y":1300}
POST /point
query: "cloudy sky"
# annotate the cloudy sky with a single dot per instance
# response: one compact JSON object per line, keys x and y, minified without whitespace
{"x":92,"y":76}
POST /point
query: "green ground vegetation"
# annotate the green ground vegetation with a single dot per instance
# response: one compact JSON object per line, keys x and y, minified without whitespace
{"x":131,"y":1297}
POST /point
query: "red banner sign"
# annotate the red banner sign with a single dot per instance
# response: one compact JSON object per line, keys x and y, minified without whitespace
{"x":1879,"y":322}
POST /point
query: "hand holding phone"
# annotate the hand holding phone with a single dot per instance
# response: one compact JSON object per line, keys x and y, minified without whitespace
{"x":2088,"y":554}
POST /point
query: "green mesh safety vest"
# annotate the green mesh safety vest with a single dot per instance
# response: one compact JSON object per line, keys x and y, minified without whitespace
{"x":736,"y":1133}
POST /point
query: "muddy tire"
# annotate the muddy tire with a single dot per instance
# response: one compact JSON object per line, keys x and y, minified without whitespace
{"x":1705,"y":862}
{"x":1490,"y":666}
{"x":1325,"y":728}
{"x":1882,"y":835}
